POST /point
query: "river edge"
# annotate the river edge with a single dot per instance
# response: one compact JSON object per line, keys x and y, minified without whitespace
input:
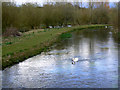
{"x":43,"y":47}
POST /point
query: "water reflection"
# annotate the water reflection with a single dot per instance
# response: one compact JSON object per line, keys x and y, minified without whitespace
{"x":0,"y":79}
{"x":96,"y":68}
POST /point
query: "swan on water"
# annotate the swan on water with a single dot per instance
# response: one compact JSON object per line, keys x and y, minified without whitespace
{"x":75,"y":59}
{"x":105,"y":26}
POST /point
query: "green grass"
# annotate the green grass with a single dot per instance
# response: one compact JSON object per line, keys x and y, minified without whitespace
{"x":16,"y":49}
{"x":65,"y":35}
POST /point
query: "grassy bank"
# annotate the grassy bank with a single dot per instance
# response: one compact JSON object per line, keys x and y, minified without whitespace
{"x":17,"y":49}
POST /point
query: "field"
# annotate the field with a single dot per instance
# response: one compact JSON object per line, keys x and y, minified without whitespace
{"x":17,"y":49}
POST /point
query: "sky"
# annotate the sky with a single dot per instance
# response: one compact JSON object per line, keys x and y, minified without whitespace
{"x":41,"y":2}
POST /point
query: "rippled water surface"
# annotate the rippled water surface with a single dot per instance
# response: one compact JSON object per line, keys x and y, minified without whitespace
{"x":97,"y":66}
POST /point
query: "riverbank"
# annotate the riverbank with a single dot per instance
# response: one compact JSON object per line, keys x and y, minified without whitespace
{"x":17,"y":49}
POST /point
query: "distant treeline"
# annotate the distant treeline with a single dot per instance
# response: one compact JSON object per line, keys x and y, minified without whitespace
{"x":31,"y":16}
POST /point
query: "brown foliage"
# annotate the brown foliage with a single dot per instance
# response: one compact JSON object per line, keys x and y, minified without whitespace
{"x":11,"y":32}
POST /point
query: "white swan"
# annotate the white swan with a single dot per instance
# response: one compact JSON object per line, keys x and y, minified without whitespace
{"x":106,"y":27}
{"x":75,"y":59}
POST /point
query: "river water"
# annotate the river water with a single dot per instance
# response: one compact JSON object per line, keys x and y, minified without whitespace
{"x":97,"y":67}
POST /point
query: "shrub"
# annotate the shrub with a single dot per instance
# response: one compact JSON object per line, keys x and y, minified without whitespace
{"x":11,"y":32}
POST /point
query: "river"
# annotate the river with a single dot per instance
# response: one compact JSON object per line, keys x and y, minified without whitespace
{"x":97,"y":67}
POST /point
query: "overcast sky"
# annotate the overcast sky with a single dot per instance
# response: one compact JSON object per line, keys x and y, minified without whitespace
{"x":41,"y":2}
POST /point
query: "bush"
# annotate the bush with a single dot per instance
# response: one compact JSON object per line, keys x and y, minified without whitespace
{"x":11,"y":32}
{"x":24,"y":29}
